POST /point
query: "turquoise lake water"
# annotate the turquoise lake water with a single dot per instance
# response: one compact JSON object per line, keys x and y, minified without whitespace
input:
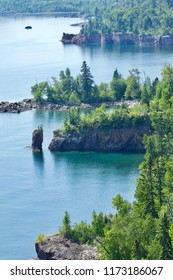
{"x":36,"y":189}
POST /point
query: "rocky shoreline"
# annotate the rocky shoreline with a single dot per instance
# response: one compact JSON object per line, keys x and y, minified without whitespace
{"x":54,"y":247}
{"x":29,"y":104}
{"x":70,"y":14}
{"x":17,"y":107}
{"x":118,"y":39}
{"x":127,"y":139}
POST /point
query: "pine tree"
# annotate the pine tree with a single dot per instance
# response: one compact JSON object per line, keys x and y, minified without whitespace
{"x":146,"y":192}
{"x":66,"y":230}
{"x":86,"y":82}
{"x":165,"y":239}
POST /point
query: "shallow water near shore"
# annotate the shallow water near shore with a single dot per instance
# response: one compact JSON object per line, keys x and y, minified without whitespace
{"x":36,"y":189}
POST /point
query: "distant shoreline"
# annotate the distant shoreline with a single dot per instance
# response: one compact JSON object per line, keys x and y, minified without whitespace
{"x":77,"y":14}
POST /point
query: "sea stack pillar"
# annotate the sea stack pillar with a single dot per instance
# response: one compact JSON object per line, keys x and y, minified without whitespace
{"x":37,"y":139}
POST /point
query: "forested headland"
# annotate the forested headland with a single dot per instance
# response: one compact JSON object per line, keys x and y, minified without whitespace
{"x":83,"y":89}
{"x":142,"y":229}
{"x":106,"y":16}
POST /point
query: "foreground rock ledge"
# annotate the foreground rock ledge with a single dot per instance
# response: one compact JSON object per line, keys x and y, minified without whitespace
{"x":54,"y":247}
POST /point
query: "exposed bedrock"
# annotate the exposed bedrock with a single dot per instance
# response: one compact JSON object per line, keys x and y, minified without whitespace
{"x":112,"y":140}
{"x":118,"y":39}
{"x":54,"y":247}
{"x":37,"y":140}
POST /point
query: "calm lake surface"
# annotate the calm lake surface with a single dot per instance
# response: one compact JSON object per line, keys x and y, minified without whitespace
{"x":36,"y":189}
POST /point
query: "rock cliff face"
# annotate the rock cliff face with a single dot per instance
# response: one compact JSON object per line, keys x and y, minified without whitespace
{"x":112,"y":140}
{"x":81,"y":39}
{"x":56,"y":248}
{"x":118,"y":39}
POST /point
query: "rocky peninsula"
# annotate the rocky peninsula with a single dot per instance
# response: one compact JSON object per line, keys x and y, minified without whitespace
{"x":127,"y":139}
{"x":54,"y":247}
{"x":29,"y":104}
{"x":118,"y":39}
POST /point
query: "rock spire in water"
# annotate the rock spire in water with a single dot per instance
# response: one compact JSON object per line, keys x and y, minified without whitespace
{"x":37,"y":139}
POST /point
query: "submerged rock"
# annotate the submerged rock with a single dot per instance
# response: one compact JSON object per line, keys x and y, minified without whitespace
{"x":37,"y":139}
{"x":54,"y":247}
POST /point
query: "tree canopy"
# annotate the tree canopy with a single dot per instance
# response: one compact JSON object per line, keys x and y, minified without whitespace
{"x":105,"y":16}
{"x":142,"y":229}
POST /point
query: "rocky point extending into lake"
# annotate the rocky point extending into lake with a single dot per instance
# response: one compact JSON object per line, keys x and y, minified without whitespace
{"x":118,"y":39}
{"x":121,"y":139}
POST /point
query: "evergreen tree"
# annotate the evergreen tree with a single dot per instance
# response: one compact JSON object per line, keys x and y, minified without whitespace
{"x":117,"y":75}
{"x":133,"y":90}
{"x":164,"y":238}
{"x":66,"y":230}
{"x":86,"y":83}
{"x":146,"y":192}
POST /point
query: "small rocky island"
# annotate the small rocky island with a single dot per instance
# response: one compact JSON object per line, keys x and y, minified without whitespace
{"x":28,"y":27}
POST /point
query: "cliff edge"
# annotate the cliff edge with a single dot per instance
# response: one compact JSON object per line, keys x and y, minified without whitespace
{"x":110,"y":140}
{"x":118,"y":39}
{"x":54,"y":247}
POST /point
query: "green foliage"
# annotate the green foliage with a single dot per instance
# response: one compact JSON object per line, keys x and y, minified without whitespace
{"x":40,"y":127}
{"x":66,"y":230}
{"x":133,"y":90}
{"x":39,"y":91}
{"x":74,"y":116}
{"x":166,"y":252}
{"x":74,"y":99}
{"x":106,"y":16}
{"x":40,"y":237}
{"x":73,"y":91}
{"x":143,"y":229}
{"x":82,"y":233}
{"x":123,"y":207}
{"x":101,"y":119}
{"x":86,"y":83}
{"x":98,"y":224}
{"x":118,"y":86}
